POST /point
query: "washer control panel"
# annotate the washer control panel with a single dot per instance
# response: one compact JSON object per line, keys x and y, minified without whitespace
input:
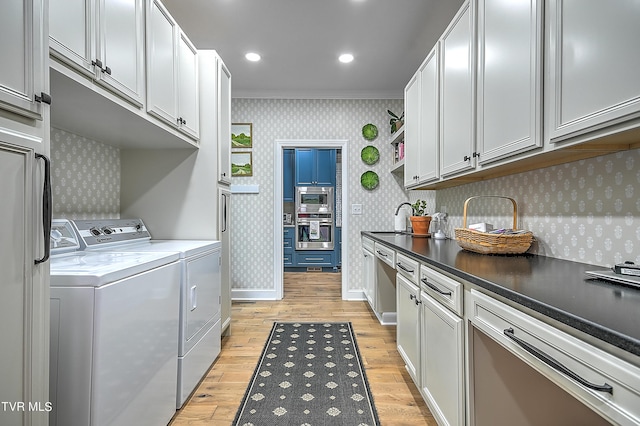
{"x":102,"y":232}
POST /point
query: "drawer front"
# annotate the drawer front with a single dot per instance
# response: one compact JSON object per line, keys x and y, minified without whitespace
{"x":608,"y":385}
{"x":287,"y":258}
{"x":386,"y":254}
{"x":408,"y":267}
{"x":289,"y":232}
{"x":287,"y":242}
{"x":368,"y":244}
{"x":318,"y":259}
{"x":442,"y":288}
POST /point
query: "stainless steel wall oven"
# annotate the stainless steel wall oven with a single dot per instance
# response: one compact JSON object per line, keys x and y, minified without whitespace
{"x":315,"y":221}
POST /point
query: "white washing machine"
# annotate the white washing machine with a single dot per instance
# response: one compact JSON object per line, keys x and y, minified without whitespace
{"x":114,"y":326}
{"x":199,"y":341}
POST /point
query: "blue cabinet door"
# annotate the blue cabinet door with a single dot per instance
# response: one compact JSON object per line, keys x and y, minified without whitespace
{"x":288,"y":170}
{"x":325,"y":165}
{"x":315,"y":167}
{"x":305,"y":173}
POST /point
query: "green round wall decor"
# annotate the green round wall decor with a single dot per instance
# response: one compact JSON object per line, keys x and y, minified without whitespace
{"x":370,"y":132}
{"x":370,"y":155}
{"x":369,"y":180}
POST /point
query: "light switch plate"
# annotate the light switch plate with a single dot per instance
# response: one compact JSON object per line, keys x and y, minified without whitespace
{"x":356,"y":209}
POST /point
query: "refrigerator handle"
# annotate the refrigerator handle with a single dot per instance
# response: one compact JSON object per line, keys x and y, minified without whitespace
{"x":46,"y":208}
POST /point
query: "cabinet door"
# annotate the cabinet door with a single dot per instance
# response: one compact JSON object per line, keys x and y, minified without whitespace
{"x":429,"y":115}
{"x":71,"y":32}
{"x":162,"y":67}
{"x":369,"y":276}
{"x":224,"y":123}
{"x":224,"y":230}
{"x":305,"y":175}
{"x":408,"y":325}
{"x":288,"y":168}
{"x":457,"y":135}
{"x":24,"y":297}
{"x":442,"y":362}
{"x":411,"y":130}
{"x":593,"y":60}
{"x":120,"y":47}
{"x":509,"y":77}
{"x":22,"y":75}
{"x":188,"y":99}
{"x":325,"y":167}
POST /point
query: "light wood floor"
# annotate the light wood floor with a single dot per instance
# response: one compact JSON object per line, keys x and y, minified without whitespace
{"x":307,"y":297}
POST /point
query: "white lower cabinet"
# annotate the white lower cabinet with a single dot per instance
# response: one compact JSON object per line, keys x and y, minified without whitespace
{"x":442,"y":348}
{"x":369,"y":276}
{"x":408,"y":316}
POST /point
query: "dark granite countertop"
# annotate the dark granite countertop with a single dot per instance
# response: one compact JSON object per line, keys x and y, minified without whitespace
{"x":555,"y":288}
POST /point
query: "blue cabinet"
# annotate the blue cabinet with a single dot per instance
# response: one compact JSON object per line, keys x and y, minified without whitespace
{"x":314,"y":258}
{"x":287,"y":246}
{"x":288,"y":170}
{"x":315,"y":167}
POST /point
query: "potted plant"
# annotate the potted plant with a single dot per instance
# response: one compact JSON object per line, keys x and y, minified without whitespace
{"x":420,"y":219}
{"x":395,"y":122}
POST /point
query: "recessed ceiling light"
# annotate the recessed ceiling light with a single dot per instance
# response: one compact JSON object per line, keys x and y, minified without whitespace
{"x":345,"y":58}
{"x":253,"y":57}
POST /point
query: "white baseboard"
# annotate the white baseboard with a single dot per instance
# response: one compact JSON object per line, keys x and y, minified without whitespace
{"x":248,"y":294}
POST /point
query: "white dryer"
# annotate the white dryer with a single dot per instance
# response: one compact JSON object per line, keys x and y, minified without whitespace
{"x":114,"y":326}
{"x":199,"y":341}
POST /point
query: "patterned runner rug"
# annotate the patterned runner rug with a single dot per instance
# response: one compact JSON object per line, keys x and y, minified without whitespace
{"x":309,"y":374}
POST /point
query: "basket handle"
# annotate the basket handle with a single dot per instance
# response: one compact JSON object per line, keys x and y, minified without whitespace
{"x":466,"y":203}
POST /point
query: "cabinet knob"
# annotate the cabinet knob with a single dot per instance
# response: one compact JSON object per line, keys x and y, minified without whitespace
{"x":476,"y":154}
{"x":467,"y":158}
{"x":107,"y":70}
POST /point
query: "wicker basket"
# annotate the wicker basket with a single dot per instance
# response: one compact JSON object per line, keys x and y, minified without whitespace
{"x":485,"y":243}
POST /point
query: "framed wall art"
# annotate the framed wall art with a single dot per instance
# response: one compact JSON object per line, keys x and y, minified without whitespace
{"x":241,"y":163}
{"x":241,"y":135}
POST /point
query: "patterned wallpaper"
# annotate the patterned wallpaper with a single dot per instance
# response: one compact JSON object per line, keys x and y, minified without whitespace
{"x":85,"y":177}
{"x":586,"y":211}
{"x":310,"y":119}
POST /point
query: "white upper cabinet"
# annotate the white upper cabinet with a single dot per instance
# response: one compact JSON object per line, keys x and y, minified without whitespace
{"x":103,"y":39}
{"x":411,"y":130}
{"x":224,"y":123}
{"x":120,"y":47}
{"x":188,"y":91}
{"x":593,"y":61}
{"x":172,"y":77}
{"x":509,"y":85}
{"x":457,"y":132}
{"x":422,"y":112}
{"x":71,"y":32}
{"x":22,"y":75}
{"x":428,"y":156}
{"x":162,"y":63}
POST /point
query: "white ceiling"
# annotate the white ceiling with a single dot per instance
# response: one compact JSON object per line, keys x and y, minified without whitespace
{"x":300,"y":41}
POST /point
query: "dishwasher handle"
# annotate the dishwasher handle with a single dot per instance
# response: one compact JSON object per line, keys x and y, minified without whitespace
{"x":555,"y":364}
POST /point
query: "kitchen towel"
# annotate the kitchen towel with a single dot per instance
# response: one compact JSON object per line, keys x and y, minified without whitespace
{"x":314,"y":230}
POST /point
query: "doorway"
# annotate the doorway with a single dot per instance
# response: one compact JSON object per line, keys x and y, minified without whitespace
{"x":280,"y":146}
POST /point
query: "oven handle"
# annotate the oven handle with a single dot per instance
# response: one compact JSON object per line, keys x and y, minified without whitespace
{"x":47,"y":212}
{"x":555,"y":364}
{"x":306,"y":221}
